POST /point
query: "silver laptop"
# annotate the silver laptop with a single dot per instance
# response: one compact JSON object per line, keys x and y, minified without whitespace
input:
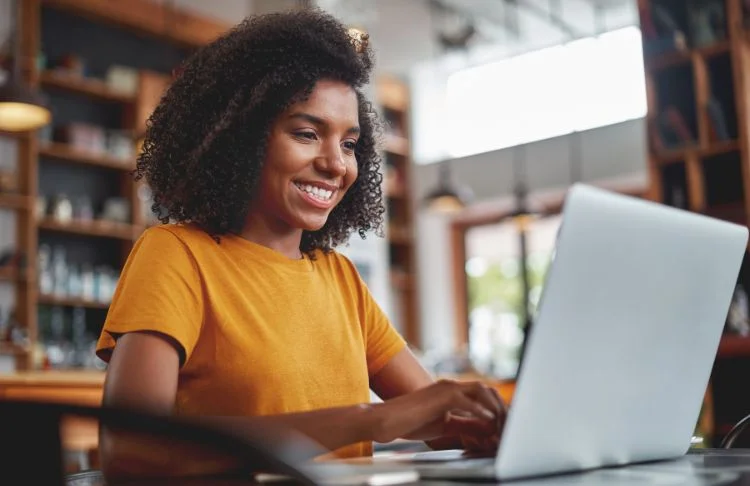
{"x":619,"y":357}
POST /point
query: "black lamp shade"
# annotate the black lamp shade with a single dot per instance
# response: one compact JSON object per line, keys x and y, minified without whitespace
{"x":447,"y":197}
{"x":445,"y":200}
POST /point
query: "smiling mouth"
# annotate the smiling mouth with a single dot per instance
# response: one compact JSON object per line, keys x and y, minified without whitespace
{"x":322,"y":195}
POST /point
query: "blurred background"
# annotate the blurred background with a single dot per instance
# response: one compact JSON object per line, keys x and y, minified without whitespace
{"x":493,"y":109}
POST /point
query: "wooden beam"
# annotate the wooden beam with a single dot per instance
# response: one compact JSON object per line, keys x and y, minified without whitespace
{"x":460,"y":287}
{"x":147,"y":17}
{"x":696,"y":186}
{"x":551,"y":202}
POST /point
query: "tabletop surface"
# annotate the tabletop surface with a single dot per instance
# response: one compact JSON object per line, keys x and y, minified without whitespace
{"x":53,"y":378}
{"x":699,"y":468}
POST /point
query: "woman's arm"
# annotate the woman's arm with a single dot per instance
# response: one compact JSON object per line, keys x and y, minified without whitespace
{"x":143,"y":375}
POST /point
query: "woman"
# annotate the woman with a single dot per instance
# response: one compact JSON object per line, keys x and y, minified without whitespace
{"x":263,"y":156}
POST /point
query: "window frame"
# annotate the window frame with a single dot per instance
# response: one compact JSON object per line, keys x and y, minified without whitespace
{"x":492,"y":214}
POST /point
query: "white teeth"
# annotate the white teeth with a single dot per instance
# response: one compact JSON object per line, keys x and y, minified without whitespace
{"x":317,"y":192}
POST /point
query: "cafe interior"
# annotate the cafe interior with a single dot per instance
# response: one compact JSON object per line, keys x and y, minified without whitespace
{"x":492,"y":109}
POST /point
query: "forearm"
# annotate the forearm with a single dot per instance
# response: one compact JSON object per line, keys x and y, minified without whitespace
{"x":332,"y":428}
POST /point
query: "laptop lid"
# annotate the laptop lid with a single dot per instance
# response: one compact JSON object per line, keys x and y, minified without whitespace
{"x":629,"y":323}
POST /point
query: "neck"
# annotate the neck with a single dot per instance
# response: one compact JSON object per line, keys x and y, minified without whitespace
{"x":274,"y":235}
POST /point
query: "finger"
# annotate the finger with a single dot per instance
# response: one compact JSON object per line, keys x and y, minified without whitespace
{"x":476,"y":408}
{"x":471,"y":444}
{"x":468,"y":426}
{"x":481,"y":393}
{"x":498,"y":399}
{"x":502,"y":417}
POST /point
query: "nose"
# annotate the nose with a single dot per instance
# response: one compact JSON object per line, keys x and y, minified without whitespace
{"x":330,"y":160}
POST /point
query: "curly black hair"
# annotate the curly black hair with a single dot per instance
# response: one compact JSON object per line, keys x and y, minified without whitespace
{"x":205,"y":142}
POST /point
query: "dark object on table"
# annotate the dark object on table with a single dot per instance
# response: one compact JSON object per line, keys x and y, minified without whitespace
{"x":735,"y":433}
{"x":34,"y":430}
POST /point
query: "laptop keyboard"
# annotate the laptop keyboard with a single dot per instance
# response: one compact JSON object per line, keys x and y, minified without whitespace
{"x":468,"y":463}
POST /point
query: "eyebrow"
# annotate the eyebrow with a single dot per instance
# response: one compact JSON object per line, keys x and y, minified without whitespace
{"x":316,"y":120}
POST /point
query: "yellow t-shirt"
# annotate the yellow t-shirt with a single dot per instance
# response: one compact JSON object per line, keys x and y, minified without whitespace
{"x":260,"y":333}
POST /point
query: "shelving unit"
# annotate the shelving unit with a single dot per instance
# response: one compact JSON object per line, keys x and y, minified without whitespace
{"x":394,"y":99}
{"x":698,"y":132}
{"x":149,"y":37}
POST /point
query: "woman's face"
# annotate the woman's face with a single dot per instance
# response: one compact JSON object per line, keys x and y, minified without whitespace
{"x":310,"y":161}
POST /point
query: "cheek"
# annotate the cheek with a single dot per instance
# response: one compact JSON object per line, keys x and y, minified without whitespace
{"x":352,"y":172}
{"x":280,"y":164}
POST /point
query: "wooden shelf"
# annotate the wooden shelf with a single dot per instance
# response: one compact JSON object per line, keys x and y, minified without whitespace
{"x":92,"y":88}
{"x":147,"y":17}
{"x":676,"y":58}
{"x":733,"y":346}
{"x":104,"y":229}
{"x":679,"y":155}
{"x":71,"y":302}
{"x":61,"y":151}
{"x":719,"y":148}
{"x":716,"y":49}
{"x":14,"y":201}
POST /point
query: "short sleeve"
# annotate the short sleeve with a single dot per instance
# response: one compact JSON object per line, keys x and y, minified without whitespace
{"x":382,"y":340}
{"x":160,"y":291}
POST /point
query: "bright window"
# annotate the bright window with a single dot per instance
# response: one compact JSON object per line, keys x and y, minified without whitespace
{"x":584,"y":84}
{"x":495,"y":290}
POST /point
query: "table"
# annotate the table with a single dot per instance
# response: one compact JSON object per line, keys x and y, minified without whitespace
{"x":712,"y":467}
{"x":80,"y":436}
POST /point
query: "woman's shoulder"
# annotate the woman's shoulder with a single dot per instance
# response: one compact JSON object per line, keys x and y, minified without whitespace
{"x":187,"y":234}
{"x":340,"y":264}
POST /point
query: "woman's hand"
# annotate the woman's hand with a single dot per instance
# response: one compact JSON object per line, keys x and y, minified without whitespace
{"x":471,"y":411}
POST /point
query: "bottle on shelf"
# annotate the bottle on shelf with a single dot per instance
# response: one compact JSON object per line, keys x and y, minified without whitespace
{"x":44,"y":262}
{"x":57,"y":348}
{"x":60,"y":272}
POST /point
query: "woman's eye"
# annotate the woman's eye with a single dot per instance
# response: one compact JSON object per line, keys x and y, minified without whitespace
{"x":306,"y":135}
{"x":350,"y":146}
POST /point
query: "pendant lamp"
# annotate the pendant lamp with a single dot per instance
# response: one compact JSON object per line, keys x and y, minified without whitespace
{"x":446,"y":198}
{"x":21,"y":108}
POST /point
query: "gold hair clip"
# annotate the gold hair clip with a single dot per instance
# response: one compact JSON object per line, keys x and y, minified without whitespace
{"x":360,"y":39}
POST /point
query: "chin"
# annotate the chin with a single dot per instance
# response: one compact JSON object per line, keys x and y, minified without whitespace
{"x":312,"y":224}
